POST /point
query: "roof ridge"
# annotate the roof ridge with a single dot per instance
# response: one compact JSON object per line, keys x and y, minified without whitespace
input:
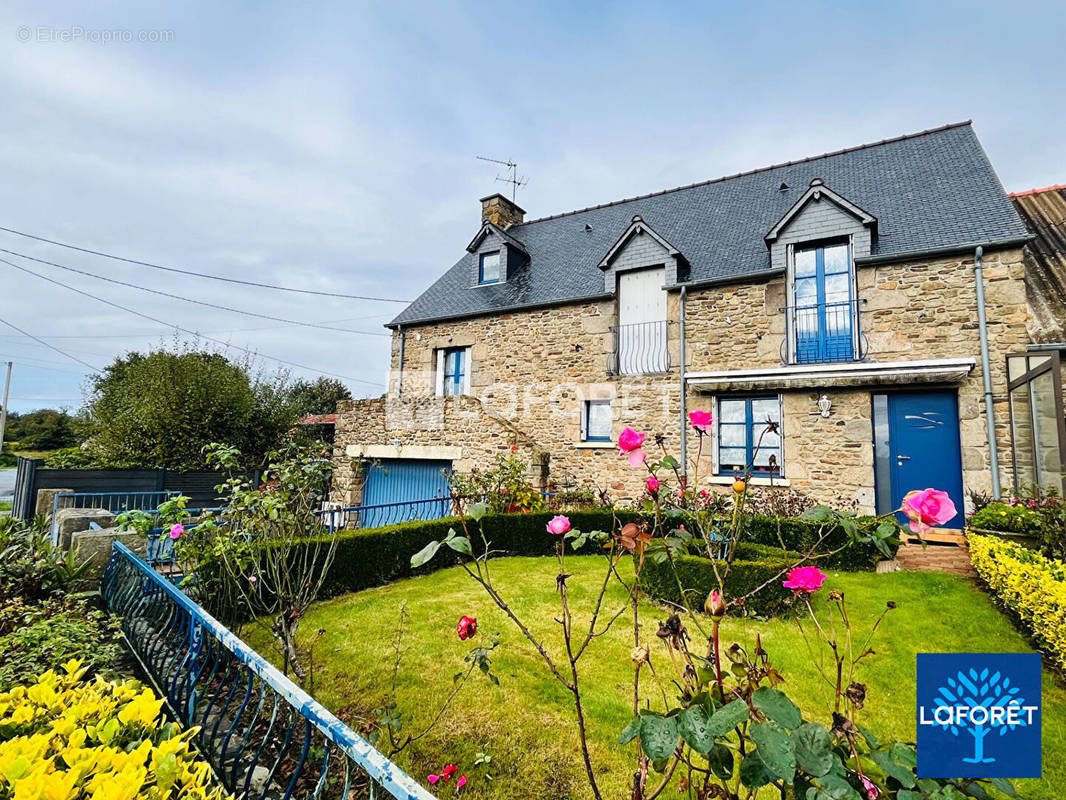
{"x":1054,"y":188}
{"x":808,"y":159}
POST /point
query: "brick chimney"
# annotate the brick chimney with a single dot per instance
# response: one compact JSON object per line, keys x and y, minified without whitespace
{"x":500,"y":211}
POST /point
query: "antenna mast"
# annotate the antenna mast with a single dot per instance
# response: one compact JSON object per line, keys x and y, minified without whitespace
{"x":513,"y":179}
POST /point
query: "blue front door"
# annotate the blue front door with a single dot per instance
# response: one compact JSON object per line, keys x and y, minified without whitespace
{"x":923,"y":447}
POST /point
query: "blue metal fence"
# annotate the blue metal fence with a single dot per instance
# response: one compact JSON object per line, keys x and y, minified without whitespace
{"x":115,"y":502}
{"x":265,"y":737}
{"x":374,"y":516}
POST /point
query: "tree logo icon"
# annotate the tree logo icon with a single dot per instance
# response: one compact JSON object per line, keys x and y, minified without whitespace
{"x":980,"y":701}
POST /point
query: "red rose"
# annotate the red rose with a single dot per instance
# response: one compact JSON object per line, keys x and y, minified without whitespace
{"x":466,"y":628}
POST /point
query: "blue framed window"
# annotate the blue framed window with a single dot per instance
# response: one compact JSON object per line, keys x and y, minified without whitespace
{"x":824,"y":309}
{"x":742,"y":427}
{"x":596,"y":425}
{"x":455,"y":368}
{"x":489,"y":267}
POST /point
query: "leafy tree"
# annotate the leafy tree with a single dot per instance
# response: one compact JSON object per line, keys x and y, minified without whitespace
{"x":44,"y":429}
{"x":162,"y":408}
{"x":319,"y":396}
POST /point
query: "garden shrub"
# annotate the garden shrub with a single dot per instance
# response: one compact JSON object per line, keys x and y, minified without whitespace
{"x":31,"y":567}
{"x":800,"y":535}
{"x":1007,"y":518}
{"x":1029,"y":586}
{"x":63,"y":738}
{"x":36,"y":637}
{"x":375,"y":556}
{"x":754,"y":565}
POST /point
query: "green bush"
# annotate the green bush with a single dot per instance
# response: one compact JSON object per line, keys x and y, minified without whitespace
{"x":1007,"y":518}
{"x":753,"y":566}
{"x":799,"y":536}
{"x":36,"y":637}
{"x":376,"y":556}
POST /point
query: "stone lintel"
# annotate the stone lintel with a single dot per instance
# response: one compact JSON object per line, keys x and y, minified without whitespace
{"x":413,"y":451}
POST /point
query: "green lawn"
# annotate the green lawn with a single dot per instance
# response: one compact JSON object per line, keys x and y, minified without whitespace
{"x":526,"y":724}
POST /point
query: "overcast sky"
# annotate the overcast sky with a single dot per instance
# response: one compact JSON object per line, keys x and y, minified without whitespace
{"x":334,"y":148}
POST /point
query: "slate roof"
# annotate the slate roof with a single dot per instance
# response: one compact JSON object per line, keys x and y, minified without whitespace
{"x":927,"y":190}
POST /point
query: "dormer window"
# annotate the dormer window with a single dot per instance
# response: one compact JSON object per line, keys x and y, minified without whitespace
{"x":489,"y":268}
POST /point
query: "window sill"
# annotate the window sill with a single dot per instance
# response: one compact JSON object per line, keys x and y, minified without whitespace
{"x":724,"y":480}
{"x":595,"y":445}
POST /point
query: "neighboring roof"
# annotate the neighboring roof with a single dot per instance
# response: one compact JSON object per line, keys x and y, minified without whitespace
{"x":928,"y":190}
{"x":1044,"y":214}
{"x":318,"y":419}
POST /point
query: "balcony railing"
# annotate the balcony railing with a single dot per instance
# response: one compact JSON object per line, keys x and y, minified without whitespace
{"x":639,"y":349}
{"x":821,"y":333}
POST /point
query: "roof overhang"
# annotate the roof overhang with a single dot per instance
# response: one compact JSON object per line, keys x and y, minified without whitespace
{"x":819,"y":376}
{"x":488,"y":228}
{"x":636,"y":226}
{"x":816,"y":193}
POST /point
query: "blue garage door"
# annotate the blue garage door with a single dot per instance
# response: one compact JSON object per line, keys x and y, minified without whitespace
{"x":397,"y":490}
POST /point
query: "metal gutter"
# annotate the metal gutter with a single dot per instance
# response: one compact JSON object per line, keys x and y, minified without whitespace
{"x":850,"y":374}
{"x":681,"y":377}
{"x":982,"y":326}
{"x":953,"y":249}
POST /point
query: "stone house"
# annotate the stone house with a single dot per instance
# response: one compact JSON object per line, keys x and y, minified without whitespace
{"x":856,"y":298}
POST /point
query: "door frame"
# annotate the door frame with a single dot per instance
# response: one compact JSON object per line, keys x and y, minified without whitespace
{"x":951,"y":390}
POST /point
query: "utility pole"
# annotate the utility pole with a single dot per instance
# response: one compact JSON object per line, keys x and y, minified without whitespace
{"x":3,"y":411}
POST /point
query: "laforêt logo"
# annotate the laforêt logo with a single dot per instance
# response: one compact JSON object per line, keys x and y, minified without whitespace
{"x":978,"y":715}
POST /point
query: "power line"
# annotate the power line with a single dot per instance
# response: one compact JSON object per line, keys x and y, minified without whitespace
{"x":204,"y":274}
{"x":178,"y":327}
{"x":50,"y":347}
{"x":172,"y":296}
{"x":150,"y":335}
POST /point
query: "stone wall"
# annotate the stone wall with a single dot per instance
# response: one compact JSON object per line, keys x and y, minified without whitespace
{"x":532,"y":370}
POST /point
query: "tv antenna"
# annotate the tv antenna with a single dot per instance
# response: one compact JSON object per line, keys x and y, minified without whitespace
{"x":514,"y":180}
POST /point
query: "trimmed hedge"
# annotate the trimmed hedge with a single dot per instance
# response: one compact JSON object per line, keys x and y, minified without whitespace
{"x":1029,"y":586}
{"x":754,"y":565}
{"x":1007,"y":518}
{"x":376,"y":556}
{"x":798,"y":535}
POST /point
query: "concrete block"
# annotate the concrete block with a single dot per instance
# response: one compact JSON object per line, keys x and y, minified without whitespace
{"x":45,"y":498}
{"x":74,"y":520}
{"x":95,"y":547}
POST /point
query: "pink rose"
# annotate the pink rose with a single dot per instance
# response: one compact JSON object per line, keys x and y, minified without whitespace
{"x":459,"y":784}
{"x":715,"y":605}
{"x":871,"y":791}
{"x":433,"y":778}
{"x":466,"y":628}
{"x":558,"y":525}
{"x":177,"y":531}
{"x":449,"y":770}
{"x":629,"y":440}
{"x":804,"y":580}
{"x":701,"y":420}
{"x":927,"y":508}
{"x":652,"y":485}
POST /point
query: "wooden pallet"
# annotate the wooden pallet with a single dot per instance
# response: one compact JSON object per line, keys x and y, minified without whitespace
{"x":945,"y":550}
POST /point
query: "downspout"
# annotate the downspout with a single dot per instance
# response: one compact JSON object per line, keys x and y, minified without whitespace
{"x":982,"y":322}
{"x":399,"y":379}
{"x":681,"y":376}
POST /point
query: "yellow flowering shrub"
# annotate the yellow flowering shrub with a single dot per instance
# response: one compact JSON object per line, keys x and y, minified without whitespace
{"x":1028,"y":584}
{"x":64,"y":738}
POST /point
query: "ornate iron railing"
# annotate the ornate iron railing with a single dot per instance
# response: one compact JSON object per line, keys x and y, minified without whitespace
{"x":820,"y":333}
{"x":639,"y":349}
{"x":264,"y":736}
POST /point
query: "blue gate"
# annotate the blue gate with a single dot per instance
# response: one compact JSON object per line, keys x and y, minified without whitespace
{"x":402,"y":480}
